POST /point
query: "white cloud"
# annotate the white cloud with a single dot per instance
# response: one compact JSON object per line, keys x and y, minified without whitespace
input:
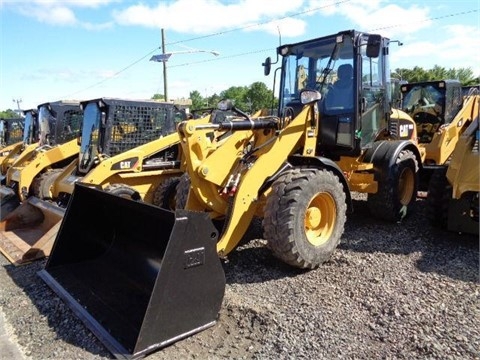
{"x":378,"y":15}
{"x":206,"y":16}
{"x":460,"y":48}
{"x":52,"y":14}
{"x":59,"y":12}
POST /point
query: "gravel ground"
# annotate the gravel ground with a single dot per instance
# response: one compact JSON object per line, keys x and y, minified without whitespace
{"x":391,"y":291}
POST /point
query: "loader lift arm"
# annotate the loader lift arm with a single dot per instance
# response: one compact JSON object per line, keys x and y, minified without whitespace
{"x":228,"y":186}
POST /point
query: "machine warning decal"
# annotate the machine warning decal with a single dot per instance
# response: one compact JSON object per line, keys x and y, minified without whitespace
{"x":194,"y":257}
{"x":125,"y":164}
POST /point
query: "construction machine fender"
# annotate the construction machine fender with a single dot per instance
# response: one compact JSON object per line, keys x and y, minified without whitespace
{"x":321,"y":162}
{"x":396,"y":169}
{"x":383,"y":154}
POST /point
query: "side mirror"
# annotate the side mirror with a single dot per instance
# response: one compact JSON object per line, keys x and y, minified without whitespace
{"x":373,"y":46}
{"x":309,"y":96}
{"x":267,"y":65}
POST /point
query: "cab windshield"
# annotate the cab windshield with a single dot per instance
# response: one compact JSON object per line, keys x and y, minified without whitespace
{"x":323,"y":65}
{"x":46,"y":122}
{"x":422,"y":97}
{"x":92,"y":117}
{"x":29,"y":129}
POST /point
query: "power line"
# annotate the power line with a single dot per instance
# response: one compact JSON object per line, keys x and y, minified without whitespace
{"x":382,"y":28}
{"x":257,"y":51}
{"x":429,"y":19}
{"x":112,"y":76}
{"x":260,"y":23}
{"x":203,"y":37}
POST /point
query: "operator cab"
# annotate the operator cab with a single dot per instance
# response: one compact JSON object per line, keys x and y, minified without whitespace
{"x":431,"y":104}
{"x":349,"y":70}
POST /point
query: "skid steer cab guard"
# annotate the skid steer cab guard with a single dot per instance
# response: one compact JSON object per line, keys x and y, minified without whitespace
{"x":139,"y":278}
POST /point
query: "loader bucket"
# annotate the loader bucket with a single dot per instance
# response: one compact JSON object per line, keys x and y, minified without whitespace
{"x":138,"y":276}
{"x":28,"y":232}
{"x":9,"y":201}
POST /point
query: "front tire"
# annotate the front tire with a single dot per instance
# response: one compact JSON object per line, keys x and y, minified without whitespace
{"x":165,"y":193}
{"x":397,"y":192}
{"x":183,"y":188}
{"x":305,"y":216}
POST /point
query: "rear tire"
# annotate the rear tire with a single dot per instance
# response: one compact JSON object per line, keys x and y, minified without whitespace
{"x":305,"y":216}
{"x":438,"y":198}
{"x":124,"y":191}
{"x":165,"y":193}
{"x":397,"y":194}
{"x":42,"y":185}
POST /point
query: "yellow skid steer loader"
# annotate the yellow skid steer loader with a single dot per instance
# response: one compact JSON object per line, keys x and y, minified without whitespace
{"x":30,"y":136}
{"x":58,"y":128}
{"x":127,"y":147}
{"x":162,"y":278}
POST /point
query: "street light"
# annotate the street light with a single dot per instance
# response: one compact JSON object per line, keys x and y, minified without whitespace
{"x":163,"y":58}
{"x":166,"y":56}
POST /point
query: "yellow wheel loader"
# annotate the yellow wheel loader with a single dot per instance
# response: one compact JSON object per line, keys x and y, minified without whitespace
{"x":453,"y":193}
{"x":161,"y":275}
{"x":58,"y":129}
{"x":441,"y":113}
{"x":30,"y":135}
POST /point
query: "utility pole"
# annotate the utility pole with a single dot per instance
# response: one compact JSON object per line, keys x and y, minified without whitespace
{"x":18,"y":111}
{"x":165,"y":92}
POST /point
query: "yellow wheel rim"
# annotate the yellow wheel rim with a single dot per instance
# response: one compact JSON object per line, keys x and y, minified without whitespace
{"x":320,"y":219}
{"x":406,"y":185}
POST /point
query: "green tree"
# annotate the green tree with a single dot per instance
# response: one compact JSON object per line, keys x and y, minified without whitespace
{"x":238,"y":94}
{"x":213,"y":100}
{"x":417,"y":74}
{"x":158,"y":97}
{"x":259,"y":96}
{"x":198,"y":101}
{"x":8,"y":114}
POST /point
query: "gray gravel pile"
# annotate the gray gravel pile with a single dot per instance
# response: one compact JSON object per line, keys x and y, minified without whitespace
{"x":392,"y":291}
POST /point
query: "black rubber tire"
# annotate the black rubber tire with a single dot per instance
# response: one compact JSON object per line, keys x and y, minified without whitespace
{"x":397,"y":192}
{"x":183,"y":188}
{"x":165,"y":193}
{"x":42,"y":185}
{"x":439,"y":195}
{"x":124,"y":191}
{"x":291,"y":236}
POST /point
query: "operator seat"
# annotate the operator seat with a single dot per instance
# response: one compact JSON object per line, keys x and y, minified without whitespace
{"x":340,"y":94}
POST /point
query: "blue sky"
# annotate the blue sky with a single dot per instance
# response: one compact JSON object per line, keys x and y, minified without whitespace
{"x":85,"y":49}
